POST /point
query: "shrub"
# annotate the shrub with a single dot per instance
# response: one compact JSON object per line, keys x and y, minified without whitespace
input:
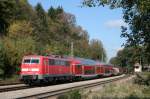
{"x":74,"y":94}
{"x":142,"y":78}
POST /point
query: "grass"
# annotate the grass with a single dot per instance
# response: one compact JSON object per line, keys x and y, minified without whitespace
{"x":143,"y":78}
{"x":13,"y":79}
{"x":135,"y":89}
{"x":74,"y":94}
{"x":122,"y":90}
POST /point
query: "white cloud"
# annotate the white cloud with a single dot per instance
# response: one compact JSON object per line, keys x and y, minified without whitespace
{"x":115,"y":23}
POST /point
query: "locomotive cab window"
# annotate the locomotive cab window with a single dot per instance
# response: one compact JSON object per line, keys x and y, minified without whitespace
{"x":26,"y":60}
{"x":36,"y":61}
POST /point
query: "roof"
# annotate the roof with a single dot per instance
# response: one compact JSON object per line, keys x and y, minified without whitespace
{"x":86,"y":61}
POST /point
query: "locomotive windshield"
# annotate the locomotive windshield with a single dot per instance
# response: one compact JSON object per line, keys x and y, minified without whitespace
{"x":35,"y":61}
{"x":26,"y":60}
{"x":31,"y":61}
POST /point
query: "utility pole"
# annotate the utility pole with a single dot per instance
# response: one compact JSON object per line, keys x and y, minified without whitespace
{"x":72,"y":54}
{"x":141,"y":60}
{"x":102,"y":57}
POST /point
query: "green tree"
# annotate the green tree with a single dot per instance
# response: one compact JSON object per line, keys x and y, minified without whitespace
{"x":137,"y":14}
{"x":20,"y":29}
{"x":97,"y":51}
{"x":23,"y":11}
{"x":7,"y":9}
{"x":81,"y":42}
{"x":14,"y":50}
{"x":11,"y":10}
{"x":18,"y":43}
{"x":127,"y":57}
{"x":2,"y":60}
{"x":41,"y":25}
{"x":54,"y":14}
{"x":114,"y":61}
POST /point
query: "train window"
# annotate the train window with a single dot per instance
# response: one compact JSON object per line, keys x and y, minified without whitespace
{"x":107,"y":71}
{"x":51,"y":62}
{"x":61,"y":63}
{"x":67,"y":63}
{"x":91,"y":71}
{"x":57,"y":62}
{"x":26,"y":60}
{"x":35,"y":61}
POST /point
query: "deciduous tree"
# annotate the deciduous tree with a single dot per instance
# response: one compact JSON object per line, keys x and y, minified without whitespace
{"x":137,"y":14}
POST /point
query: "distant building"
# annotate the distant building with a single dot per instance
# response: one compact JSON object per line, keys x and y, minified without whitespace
{"x":137,"y":67}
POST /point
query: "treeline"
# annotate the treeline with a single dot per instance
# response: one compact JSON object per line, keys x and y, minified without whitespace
{"x":127,"y":57}
{"x":26,"y":30}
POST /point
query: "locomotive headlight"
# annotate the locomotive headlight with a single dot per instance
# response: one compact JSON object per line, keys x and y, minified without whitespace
{"x":35,"y":69}
{"x":24,"y":69}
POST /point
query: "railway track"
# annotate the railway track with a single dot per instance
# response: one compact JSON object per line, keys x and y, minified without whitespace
{"x":18,"y":86}
{"x":65,"y":90}
{"x":14,"y":83}
{"x":13,"y":87}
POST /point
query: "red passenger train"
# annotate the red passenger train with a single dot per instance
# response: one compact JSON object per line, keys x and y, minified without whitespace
{"x":45,"y":69}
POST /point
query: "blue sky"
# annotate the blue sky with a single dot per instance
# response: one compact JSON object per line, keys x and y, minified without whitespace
{"x":100,"y":22}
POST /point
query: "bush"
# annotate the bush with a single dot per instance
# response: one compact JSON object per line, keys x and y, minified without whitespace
{"x":142,"y":78}
{"x":74,"y":94}
{"x":62,"y":97}
{"x":132,"y":96}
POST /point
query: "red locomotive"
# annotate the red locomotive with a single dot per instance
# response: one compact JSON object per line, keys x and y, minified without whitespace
{"x":53,"y":68}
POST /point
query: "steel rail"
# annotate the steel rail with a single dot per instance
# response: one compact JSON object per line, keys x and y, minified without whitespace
{"x":14,"y":88}
{"x":5,"y":84}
